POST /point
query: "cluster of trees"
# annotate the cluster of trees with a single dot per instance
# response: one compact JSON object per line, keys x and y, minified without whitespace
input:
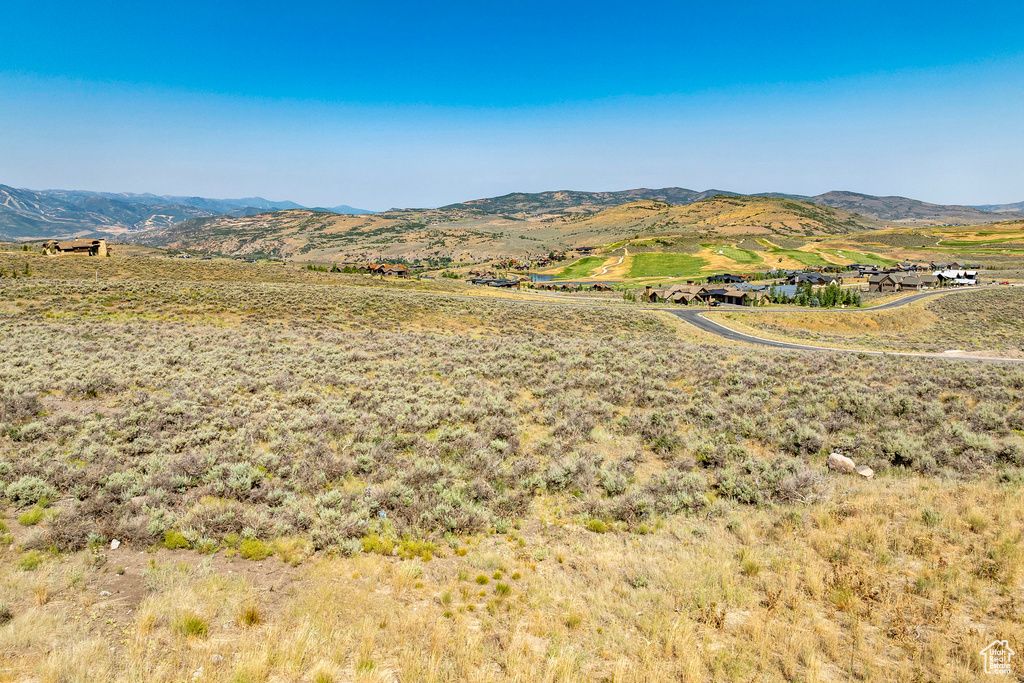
{"x":333,"y":269}
{"x":14,"y":273}
{"x":827,"y":297}
{"x":431,"y":262}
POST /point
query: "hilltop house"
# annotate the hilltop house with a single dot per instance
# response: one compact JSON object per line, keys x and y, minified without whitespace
{"x":79,"y":246}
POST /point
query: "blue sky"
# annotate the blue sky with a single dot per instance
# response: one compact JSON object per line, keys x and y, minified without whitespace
{"x":419,"y":104}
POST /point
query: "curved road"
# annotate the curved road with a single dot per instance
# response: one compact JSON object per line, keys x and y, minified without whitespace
{"x":697,"y":319}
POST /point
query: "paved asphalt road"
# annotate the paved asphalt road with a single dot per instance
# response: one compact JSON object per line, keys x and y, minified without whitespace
{"x":697,"y":319}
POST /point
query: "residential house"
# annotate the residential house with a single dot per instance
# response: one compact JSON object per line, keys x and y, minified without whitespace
{"x":726,"y":278}
{"x":385,"y":270}
{"x":687,"y":294}
{"x":79,"y":246}
{"x":815,"y":279}
{"x":898,"y":281}
{"x":956,"y":277}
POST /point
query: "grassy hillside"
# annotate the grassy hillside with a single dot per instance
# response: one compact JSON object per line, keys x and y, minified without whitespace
{"x":571,"y":201}
{"x":904,"y":211}
{"x":581,"y":268}
{"x":719,"y":215}
{"x":719,"y":234}
{"x":465,"y":233}
{"x":56,"y":213}
{"x":665,"y":265}
{"x":891,"y":210}
{"x":329,"y":478}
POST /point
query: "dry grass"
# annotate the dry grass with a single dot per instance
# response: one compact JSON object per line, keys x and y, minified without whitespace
{"x":863,"y":586}
{"x":308,"y":479}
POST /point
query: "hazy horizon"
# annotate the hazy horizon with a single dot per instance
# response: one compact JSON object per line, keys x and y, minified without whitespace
{"x":435,"y":106}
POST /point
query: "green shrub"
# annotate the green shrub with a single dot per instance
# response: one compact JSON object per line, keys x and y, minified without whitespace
{"x":375,"y":543}
{"x":482,"y":579}
{"x":175,"y":540}
{"x":502,"y":589}
{"x":254,"y":549}
{"x":931,"y":517}
{"x":30,"y":491}
{"x":191,"y":625}
{"x":597,"y":526}
{"x":31,"y":517}
{"x":410,"y":548}
{"x":30,"y":561}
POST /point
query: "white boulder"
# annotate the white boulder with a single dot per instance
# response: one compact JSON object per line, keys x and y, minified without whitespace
{"x":840,"y":463}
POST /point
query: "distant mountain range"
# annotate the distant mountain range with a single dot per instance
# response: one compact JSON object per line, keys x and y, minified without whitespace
{"x":31,"y":214}
{"x":1019,"y":206}
{"x":27,"y":214}
{"x":897,"y":210}
{"x":459,"y":233}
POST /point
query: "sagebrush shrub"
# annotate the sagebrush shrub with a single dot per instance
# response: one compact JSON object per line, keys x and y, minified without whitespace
{"x":29,"y":490}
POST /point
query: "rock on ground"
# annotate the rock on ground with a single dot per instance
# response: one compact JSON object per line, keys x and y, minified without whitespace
{"x":840,"y":463}
{"x":865,"y":471}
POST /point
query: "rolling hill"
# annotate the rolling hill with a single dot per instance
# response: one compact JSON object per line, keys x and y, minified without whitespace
{"x":554,"y":218}
{"x":895,"y":210}
{"x":718,"y":215}
{"x":910,"y":212}
{"x":999,"y":208}
{"x":461,"y":233}
{"x":523,"y":204}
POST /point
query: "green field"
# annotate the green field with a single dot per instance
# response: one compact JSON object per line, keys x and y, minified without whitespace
{"x":804,"y":257}
{"x":735,"y":253}
{"x":665,"y":265}
{"x":581,"y":268}
{"x":861,"y":257}
{"x":978,"y":243}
